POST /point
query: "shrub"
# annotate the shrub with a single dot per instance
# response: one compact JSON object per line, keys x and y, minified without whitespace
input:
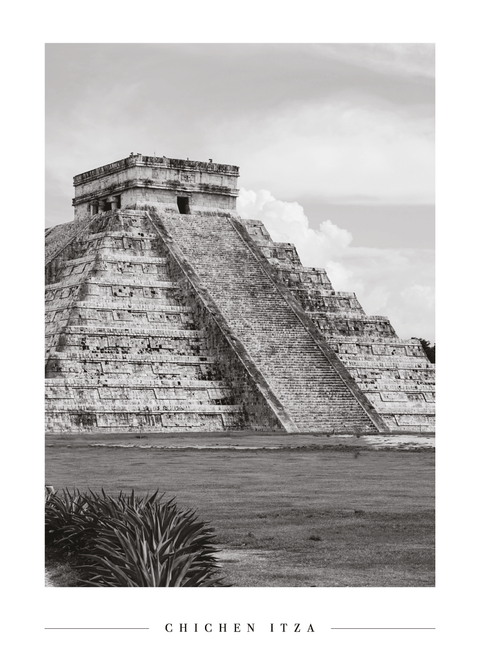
{"x":131,"y":541}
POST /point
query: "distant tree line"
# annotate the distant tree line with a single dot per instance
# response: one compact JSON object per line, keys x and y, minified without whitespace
{"x":428,"y":349}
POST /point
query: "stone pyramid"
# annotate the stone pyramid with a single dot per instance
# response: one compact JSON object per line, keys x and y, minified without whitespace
{"x":167,"y":312}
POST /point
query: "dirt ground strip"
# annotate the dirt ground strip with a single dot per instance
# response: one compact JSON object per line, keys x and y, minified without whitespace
{"x":246,"y":441}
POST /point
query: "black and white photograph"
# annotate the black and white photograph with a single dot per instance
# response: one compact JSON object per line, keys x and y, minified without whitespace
{"x":249,"y":331}
{"x":250,"y":250}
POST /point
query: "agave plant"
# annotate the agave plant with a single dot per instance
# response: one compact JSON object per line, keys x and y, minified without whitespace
{"x":132,"y":541}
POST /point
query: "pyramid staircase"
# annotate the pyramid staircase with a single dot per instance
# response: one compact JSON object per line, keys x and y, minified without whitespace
{"x":307,"y":379}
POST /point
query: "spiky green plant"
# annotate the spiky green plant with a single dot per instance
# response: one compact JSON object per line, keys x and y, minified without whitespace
{"x":131,"y":541}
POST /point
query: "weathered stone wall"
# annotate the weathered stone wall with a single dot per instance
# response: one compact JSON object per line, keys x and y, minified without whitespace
{"x":157,"y":181}
{"x":123,"y":352}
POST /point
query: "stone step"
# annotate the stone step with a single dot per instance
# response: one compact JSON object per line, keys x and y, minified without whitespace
{"x":130,"y":405}
{"x":347,"y":315}
{"x":144,"y":281}
{"x":409,"y":421}
{"x":337,"y":313}
{"x":407,"y":408}
{"x":116,"y":256}
{"x":69,"y":421}
{"x":62,"y":319}
{"x":132,"y":303}
{"x":150,"y":306}
{"x":141,"y":234}
{"x":366,"y":342}
{"x":146,"y":351}
{"x":126,"y":346}
{"x":390,"y":363}
{"x":56,"y":322}
{"x":150,"y":254}
{"x":154,"y":375}
{"x":162,"y":358}
{"x":386,"y":385}
{"x":115,"y":331}
{"x":133,"y":382}
{"x":84,"y":290}
{"x":114,"y":272}
{"x":125,"y":257}
{"x":412,"y":427}
{"x":379,"y":351}
{"x":145,"y":395}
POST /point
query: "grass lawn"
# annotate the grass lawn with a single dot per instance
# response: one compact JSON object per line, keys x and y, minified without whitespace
{"x":297,"y":516}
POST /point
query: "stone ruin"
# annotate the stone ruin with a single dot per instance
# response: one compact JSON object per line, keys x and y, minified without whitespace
{"x":167,"y":312}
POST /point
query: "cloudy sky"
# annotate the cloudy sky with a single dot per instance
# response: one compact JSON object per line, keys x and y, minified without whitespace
{"x":335,"y":145}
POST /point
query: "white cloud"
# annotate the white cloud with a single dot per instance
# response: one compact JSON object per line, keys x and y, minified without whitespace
{"x":398,"y":283}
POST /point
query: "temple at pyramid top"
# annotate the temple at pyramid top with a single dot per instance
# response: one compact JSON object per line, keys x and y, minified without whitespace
{"x":180,"y":184}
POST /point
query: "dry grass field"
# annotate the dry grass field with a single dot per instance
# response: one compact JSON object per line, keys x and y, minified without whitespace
{"x":297,"y":511}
